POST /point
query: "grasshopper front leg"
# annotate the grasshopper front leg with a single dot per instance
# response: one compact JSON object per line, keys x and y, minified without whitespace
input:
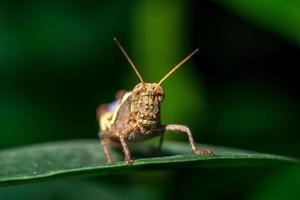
{"x":105,"y":138}
{"x":126,"y":151}
{"x":187,"y":131}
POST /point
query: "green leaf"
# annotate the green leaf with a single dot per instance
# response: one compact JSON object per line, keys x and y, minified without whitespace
{"x":79,"y":158}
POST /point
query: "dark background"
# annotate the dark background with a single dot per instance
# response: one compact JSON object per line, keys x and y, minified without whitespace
{"x":58,"y":62}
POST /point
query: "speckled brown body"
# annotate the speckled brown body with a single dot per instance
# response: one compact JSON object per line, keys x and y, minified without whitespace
{"x":139,"y":110}
{"x":135,"y":116}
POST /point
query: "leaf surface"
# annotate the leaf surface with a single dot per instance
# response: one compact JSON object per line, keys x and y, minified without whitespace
{"x":77,"y":158}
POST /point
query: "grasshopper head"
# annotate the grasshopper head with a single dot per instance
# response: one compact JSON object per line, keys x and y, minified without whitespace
{"x":146,"y":100}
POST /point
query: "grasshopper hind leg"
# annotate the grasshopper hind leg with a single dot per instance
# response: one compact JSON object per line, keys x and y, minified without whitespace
{"x":104,"y":137}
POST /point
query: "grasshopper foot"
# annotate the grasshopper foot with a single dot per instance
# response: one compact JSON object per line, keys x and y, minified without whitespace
{"x":129,"y":162}
{"x":109,"y":161}
{"x":204,"y":152}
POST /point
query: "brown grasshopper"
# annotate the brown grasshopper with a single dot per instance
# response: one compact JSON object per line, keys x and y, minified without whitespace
{"x":135,"y":116}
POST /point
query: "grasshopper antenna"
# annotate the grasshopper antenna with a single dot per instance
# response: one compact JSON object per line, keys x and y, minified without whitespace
{"x":129,"y":60}
{"x":177,"y":66}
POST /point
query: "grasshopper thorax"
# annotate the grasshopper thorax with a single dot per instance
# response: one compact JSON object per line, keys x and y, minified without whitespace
{"x":145,"y":105}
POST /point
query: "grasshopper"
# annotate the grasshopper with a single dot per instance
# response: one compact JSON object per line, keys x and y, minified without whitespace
{"x":135,"y":116}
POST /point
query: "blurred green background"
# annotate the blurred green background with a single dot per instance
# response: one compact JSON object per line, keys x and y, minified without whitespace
{"x":58,"y":62}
